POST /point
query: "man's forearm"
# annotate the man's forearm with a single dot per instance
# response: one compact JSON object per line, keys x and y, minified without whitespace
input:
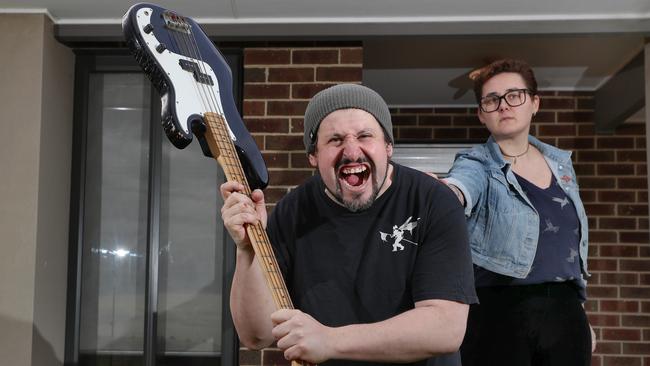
{"x":420,"y":333}
{"x":251,"y":302}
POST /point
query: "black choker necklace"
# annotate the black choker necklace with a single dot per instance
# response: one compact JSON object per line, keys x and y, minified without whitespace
{"x":515,"y":156}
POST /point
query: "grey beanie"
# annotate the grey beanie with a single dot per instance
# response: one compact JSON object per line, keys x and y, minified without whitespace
{"x":345,"y":96}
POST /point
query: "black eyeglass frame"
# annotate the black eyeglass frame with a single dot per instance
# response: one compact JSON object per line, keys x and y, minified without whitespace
{"x":503,"y":97}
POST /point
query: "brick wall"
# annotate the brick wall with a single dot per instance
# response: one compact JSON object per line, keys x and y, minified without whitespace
{"x":611,"y":173}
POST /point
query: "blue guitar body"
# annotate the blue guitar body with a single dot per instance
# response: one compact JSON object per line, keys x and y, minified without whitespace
{"x":192,"y":78}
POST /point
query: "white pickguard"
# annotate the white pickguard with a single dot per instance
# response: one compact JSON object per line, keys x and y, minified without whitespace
{"x":192,"y":97}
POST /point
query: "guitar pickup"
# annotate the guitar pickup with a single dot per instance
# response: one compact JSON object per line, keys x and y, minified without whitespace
{"x":193,"y":67}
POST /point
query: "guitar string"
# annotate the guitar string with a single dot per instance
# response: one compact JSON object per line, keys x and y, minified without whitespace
{"x":179,"y":45}
{"x":207,"y":97}
{"x":277,"y":281}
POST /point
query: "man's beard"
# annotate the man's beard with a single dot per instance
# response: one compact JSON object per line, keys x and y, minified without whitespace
{"x":355,"y":204}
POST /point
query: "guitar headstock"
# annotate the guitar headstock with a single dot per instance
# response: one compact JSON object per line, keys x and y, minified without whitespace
{"x":193,"y":79}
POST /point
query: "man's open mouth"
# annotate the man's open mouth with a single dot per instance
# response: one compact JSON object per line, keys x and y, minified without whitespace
{"x":354,"y":176}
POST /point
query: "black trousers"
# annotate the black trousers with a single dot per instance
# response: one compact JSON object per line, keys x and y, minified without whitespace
{"x":533,"y":325}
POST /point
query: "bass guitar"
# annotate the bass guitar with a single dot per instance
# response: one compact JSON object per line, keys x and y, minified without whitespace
{"x":195,"y":85}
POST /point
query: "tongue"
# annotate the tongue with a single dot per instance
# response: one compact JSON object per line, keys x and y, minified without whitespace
{"x":353,"y":179}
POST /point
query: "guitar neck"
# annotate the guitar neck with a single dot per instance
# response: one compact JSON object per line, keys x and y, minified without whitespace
{"x":223,"y":149}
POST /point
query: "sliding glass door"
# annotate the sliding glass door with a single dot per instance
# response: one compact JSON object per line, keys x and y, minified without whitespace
{"x":150,"y":259}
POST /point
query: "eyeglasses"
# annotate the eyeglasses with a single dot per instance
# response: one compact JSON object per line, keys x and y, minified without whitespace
{"x":513,"y":98}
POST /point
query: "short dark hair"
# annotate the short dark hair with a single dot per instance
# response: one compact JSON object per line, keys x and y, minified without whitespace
{"x":520,"y":67}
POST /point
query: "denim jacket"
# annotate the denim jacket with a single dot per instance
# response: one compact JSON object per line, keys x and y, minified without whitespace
{"x":503,"y":225}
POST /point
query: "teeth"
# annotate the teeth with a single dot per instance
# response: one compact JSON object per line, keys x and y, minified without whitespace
{"x":354,"y":170}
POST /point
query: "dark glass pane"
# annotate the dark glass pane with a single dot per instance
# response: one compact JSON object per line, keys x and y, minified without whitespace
{"x":115,"y":217}
{"x":191,"y":254}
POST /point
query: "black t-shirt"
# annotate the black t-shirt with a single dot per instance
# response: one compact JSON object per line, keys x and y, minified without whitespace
{"x":345,"y":267}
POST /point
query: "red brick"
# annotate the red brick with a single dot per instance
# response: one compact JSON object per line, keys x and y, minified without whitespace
{"x":254,"y":75}
{"x":587,"y":195}
{"x":414,"y":133}
{"x":621,"y":334}
{"x":597,"y":182}
{"x":315,"y":56}
{"x":616,"y":196}
{"x":557,"y":103}
{"x":297,"y":125}
{"x":342,"y":73}
{"x":424,"y":120}
{"x":307,"y":91}
{"x":618,"y":251}
{"x":352,"y":56}
{"x":419,"y":111}
{"x":584,"y":169}
{"x":259,"y":139}
{"x":608,"y":348}
{"x":602,"y":291}
{"x":619,"y":223}
{"x":404,"y":120}
{"x":633,"y":210}
{"x":641,"y":237}
{"x":544,"y":116}
{"x":556,"y":130}
{"x":600,"y":209}
{"x":615,"y":143}
{"x":621,"y":361}
{"x":636,"y":321}
{"x":615,"y":169}
{"x":571,"y":143}
{"x":467,"y":121}
{"x":633,"y":183}
{"x":449,"y":133}
{"x":266,"y":57}
{"x":635,"y":292}
{"x":293,"y":74}
{"x":300,"y":160}
{"x":603,"y":237}
{"x":634,"y":156}
{"x":276,"y":160}
{"x":619,"y":306}
{"x":585,"y":103}
{"x":273,"y":195}
{"x":287,"y":108}
{"x":616,"y":278}
{"x":635,"y":265}
{"x":284,"y":142}
{"x":280,"y":125}
{"x":645,"y":305}
{"x":288,"y":177}
{"x":636,"y":348}
{"x":582,"y":116}
{"x":586,"y":130}
{"x":640,"y":142}
{"x":604,"y":320}
{"x":451,"y":110}
{"x":266,"y":91}
{"x":254,"y":108}
{"x":595,"y":156}
{"x":629,"y":128}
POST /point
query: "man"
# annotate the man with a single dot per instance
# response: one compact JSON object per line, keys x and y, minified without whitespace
{"x":359,"y":299}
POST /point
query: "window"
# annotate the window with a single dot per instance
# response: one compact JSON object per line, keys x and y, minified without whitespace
{"x":150,"y":261}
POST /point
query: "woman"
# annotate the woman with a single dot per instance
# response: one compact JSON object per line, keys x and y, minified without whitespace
{"x":528,"y":233}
